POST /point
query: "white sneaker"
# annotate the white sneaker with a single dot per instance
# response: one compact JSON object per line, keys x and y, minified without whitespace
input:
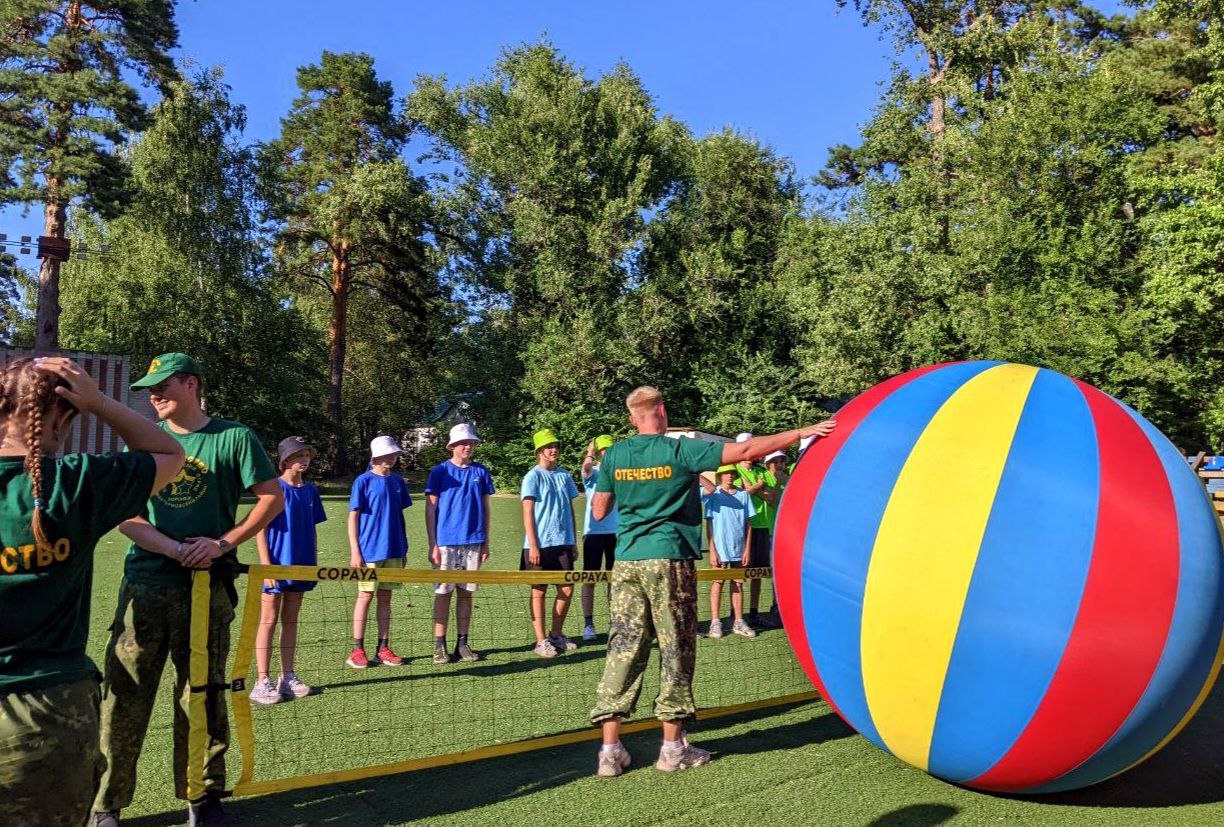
{"x":265,"y":693}
{"x":545,"y":649}
{"x":291,"y":686}
{"x":742,"y":628}
{"x":715,"y":630}
{"x":684,"y":758}
{"x":612,"y":762}
{"x":561,"y":643}
{"x":588,"y":632}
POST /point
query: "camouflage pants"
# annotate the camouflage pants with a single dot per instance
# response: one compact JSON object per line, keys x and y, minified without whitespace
{"x":651,"y":600}
{"x":151,"y":624}
{"x":49,"y":762}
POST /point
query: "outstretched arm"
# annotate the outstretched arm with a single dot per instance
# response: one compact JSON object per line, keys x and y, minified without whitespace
{"x":759,"y":446}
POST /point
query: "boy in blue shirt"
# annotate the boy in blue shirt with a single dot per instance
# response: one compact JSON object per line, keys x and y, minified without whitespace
{"x":598,"y":536}
{"x":378,"y":538}
{"x":291,"y":539}
{"x":457,"y":522}
{"x":729,"y":511}
{"x":548,"y":538}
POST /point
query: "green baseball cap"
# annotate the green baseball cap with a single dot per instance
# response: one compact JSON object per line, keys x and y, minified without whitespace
{"x":543,"y":438}
{"x":164,"y":366}
{"x":603,"y":441}
{"x":725,"y":469}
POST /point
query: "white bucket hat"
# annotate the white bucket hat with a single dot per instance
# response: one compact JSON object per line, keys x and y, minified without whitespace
{"x":382,"y":446}
{"x":462,"y":432}
{"x":744,"y":437}
{"x":775,"y":455}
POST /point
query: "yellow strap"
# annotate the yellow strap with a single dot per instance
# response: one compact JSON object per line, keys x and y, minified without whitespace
{"x":197,"y":711}
{"x":258,"y":573}
{"x":239,"y":697}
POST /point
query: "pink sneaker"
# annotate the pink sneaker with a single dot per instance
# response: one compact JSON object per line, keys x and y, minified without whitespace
{"x":358,"y":659}
{"x":389,"y":658}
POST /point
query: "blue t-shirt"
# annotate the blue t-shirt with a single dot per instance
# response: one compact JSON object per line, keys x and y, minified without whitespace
{"x":729,"y":516}
{"x":592,"y":526}
{"x":460,"y":493}
{"x":554,"y":517}
{"x":291,"y":534}
{"x":380,"y":502}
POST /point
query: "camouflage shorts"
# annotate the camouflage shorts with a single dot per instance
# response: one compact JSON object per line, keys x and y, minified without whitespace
{"x":49,"y":760}
{"x":651,"y":600}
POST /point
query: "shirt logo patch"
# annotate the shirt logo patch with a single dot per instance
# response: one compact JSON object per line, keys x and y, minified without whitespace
{"x":188,"y":487}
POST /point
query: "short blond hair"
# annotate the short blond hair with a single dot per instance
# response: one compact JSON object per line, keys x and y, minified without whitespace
{"x":644,"y":398}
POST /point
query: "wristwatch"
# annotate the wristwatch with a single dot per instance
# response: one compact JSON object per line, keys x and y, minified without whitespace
{"x":224,"y":545}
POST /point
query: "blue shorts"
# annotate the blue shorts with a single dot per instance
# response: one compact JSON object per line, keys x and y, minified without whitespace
{"x":283,"y":586}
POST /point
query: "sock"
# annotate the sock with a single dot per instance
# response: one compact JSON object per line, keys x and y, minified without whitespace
{"x":609,"y":747}
{"x":384,"y":643}
{"x":459,"y":641}
{"x":440,"y":641}
{"x":358,"y":643}
{"x":671,"y":745}
{"x":589,"y":620}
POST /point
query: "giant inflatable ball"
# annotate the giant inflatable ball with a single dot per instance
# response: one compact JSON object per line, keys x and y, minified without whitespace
{"x":1002,"y":576}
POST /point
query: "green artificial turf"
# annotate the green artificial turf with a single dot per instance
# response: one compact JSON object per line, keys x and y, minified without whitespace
{"x":795,"y":765}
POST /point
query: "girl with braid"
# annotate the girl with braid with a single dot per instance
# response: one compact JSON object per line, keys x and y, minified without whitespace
{"x":53,"y":510}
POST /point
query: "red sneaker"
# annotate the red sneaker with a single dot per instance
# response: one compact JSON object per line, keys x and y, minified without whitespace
{"x":389,"y":658}
{"x":358,"y":659}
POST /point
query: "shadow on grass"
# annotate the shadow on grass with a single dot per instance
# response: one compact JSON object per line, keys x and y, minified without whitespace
{"x":1190,"y":770}
{"x":449,"y":790}
{"x":481,"y":669}
{"x":917,"y":815}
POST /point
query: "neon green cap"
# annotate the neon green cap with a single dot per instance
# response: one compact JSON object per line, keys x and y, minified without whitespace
{"x":603,"y":441}
{"x":543,"y":438}
{"x":725,"y":469}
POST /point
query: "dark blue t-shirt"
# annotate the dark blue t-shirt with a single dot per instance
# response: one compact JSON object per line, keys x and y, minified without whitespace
{"x":291,"y":534}
{"x":380,"y":503}
{"x":460,"y":493}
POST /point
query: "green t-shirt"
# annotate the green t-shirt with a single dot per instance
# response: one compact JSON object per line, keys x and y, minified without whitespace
{"x":45,"y":592}
{"x":223,"y":460}
{"x":766,"y":513}
{"x":654,"y":481}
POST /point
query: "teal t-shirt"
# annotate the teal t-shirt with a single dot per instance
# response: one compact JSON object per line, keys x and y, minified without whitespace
{"x":552,"y":492}
{"x":223,"y":459}
{"x":45,"y":592}
{"x":653,"y":479}
{"x":730,"y":515}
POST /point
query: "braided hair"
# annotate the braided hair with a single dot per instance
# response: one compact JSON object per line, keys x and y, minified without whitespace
{"x":28,"y":397}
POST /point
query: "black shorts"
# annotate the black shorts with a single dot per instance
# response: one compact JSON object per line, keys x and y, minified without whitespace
{"x":762,"y":547}
{"x":596,"y":549}
{"x":552,"y":558}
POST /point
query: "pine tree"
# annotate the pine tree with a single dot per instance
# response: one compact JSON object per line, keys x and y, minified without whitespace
{"x":65,"y":104}
{"x":351,"y":215}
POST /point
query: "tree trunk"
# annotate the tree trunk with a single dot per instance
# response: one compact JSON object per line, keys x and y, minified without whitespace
{"x":337,"y":336}
{"x":937,"y":126}
{"x":46,"y":331}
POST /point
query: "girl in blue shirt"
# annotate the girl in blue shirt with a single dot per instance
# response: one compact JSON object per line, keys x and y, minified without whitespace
{"x":291,"y":539}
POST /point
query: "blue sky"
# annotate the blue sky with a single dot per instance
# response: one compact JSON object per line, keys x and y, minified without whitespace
{"x":799,"y":75}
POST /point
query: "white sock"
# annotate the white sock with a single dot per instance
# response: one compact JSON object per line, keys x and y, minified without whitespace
{"x":609,"y":747}
{"x":671,"y":745}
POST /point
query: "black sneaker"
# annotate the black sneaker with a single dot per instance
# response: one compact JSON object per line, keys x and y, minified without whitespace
{"x":208,"y":813}
{"x":769,"y":620}
{"x":440,"y":655}
{"x":465,"y":653}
